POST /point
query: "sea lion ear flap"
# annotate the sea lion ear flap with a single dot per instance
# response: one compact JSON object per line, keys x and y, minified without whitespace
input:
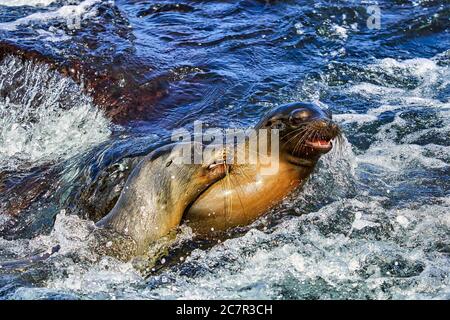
{"x":328,"y":113}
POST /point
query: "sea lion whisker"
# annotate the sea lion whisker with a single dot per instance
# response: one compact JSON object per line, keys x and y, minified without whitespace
{"x":295,"y":136}
{"x":303,"y":133}
{"x":225,"y":199}
{"x":299,"y":130}
{"x":295,"y":131}
{"x":246,"y":176}
{"x":243,"y":173}
{"x":310,"y":136}
{"x":304,"y":138}
{"x":229,"y":195}
{"x":239,"y":187}
{"x":298,"y":155}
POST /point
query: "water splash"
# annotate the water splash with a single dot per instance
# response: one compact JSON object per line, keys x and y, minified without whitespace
{"x":371,"y":224}
{"x":18,"y":3}
{"x":44,"y":117}
{"x":67,"y":13}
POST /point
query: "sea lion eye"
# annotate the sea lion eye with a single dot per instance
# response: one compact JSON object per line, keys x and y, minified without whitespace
{"x":299,"y":115}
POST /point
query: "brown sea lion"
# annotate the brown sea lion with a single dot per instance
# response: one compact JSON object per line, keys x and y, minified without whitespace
{"x":151,"y":204}
{"x":305,"y":134}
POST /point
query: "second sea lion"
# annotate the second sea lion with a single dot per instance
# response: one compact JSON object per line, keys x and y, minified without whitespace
{"x":157,"y":193}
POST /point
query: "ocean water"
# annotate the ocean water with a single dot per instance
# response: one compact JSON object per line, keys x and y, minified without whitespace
{"x":373,"y":220}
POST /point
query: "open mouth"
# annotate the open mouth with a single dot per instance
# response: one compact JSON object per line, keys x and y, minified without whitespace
{"x":320,"y":144}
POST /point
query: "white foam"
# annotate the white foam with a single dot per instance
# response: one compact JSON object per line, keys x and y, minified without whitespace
{"x":35,"y":127}
{"x":429,"y":80}
{"x":74,"y":235}
{"x":55,"y":36}
{"x":299,"y":28}
{"x":339,"y":31}
{"x":354,"y":117}
{"x":299,"y":258}
{"x":296,"y":256}
{"x":401,"y":156}
{"x":419,"y":67}
{"x":18,"y":3}
{"x":370,"y":89}
{"x":69,"y":13}
{"x":4,"y":219}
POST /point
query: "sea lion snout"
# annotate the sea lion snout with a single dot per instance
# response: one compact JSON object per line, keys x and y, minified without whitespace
{"x":306,"y":130}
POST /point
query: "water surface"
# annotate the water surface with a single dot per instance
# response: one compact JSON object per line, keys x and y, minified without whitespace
{"x":371,"y":223}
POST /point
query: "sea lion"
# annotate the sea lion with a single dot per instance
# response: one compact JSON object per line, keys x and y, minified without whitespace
{"x":243,"y":194}
{"x":151,"y":204}
{"x":158,"y":191}
{"x":218,"y":195}
{"x":305,"y":134}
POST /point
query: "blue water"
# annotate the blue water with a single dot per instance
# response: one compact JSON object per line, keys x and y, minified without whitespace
{"x":371,"y":223}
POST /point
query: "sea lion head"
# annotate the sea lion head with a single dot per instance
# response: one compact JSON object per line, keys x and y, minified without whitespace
{"x":195,"y":178}
{"x":306,"y":131}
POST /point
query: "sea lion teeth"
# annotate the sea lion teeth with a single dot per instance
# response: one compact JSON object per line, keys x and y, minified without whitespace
{"x":319,"y":143}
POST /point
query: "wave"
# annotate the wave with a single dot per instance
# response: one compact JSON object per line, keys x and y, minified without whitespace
{"x":44,"y":117}
{"x":67,"y":13}
{"x":18,"y":3}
